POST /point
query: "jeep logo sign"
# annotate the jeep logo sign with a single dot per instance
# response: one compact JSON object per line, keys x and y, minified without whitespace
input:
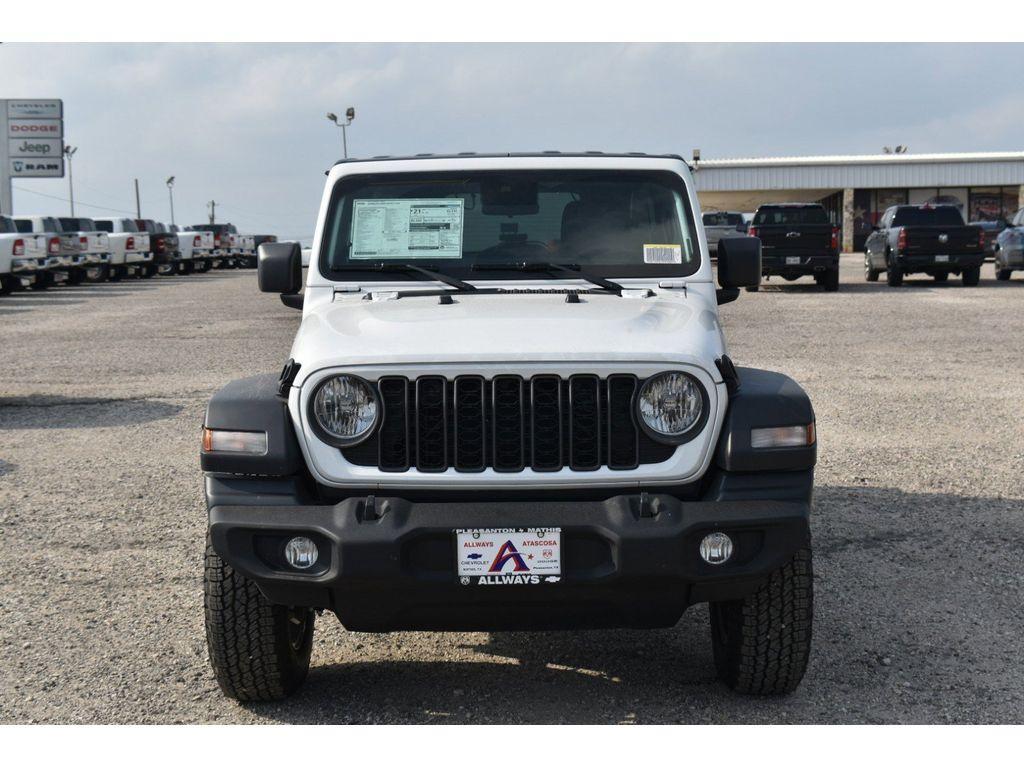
{"x":34,"y":147}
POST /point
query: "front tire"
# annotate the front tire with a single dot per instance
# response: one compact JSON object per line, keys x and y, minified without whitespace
{"x":830,"y":282}
{"x":259,"y":651}
{"x":971,"y":276}
{"x":761,"y":643}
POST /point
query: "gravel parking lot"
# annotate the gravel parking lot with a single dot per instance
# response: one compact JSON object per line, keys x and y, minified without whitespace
{"x":919,"y":523}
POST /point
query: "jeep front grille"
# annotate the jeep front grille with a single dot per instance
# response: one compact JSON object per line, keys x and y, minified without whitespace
{"x":508,"y":424}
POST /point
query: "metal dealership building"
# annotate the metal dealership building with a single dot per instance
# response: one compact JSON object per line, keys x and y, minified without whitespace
{"x":856,"y":189}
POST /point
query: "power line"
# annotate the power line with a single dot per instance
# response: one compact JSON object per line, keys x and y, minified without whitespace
{"x":67,"y":200}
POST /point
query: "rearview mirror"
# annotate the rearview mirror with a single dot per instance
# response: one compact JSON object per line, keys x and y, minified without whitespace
{"x":739,"y":262}
{"x":280,"y":270}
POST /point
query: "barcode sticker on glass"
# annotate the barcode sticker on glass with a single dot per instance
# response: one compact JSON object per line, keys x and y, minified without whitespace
{"x":663,"y":254}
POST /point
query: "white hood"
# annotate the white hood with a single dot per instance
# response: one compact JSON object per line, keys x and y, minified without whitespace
{"x":670,"y":326}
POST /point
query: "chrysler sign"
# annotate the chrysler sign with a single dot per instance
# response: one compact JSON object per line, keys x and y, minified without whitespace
{"x":39,"y":108}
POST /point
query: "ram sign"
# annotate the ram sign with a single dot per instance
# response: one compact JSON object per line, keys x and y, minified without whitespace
{"x":21,"y":167}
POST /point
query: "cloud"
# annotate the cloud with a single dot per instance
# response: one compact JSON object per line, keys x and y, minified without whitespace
{"x":244,"y":124}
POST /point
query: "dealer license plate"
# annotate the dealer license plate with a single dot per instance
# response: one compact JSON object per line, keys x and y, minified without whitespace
{"x":792,"y":259}
{"x":509,"y":556}
{"x":941,"y":259}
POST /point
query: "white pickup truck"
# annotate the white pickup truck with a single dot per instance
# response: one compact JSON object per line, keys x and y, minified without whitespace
{"x":23,"y":257}
{"x":92,"y":243}
{"x":129,"y":248}
{"x":196,"y":249}
{"x":68,"y":263}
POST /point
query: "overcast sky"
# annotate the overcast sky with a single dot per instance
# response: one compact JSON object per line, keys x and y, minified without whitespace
{"x":245,"y":125}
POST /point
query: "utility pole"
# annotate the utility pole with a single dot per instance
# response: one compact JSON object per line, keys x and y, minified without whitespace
{"x":138,"y":206}
{"x":213,"y":211}
{"x":69,"y":151}
{"x":170,"y":192}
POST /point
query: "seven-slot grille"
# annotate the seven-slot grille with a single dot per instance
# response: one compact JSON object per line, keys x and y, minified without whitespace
{"x":507,"y":423}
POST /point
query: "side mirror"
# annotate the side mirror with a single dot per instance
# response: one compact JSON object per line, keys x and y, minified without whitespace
{"x":280,"y":271}
{"x":739,"y":262}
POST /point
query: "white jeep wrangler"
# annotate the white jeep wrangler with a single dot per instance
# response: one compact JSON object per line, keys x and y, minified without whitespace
{"x":508,"y":406}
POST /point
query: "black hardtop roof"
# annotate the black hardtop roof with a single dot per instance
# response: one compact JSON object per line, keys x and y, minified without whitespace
{"x":544,"y":153}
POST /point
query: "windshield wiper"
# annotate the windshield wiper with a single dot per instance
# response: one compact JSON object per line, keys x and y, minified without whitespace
{"x":542,"y":266}
{"x":382,"y":266}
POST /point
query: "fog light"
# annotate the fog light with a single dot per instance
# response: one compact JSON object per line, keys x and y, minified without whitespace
{"x":716,"y":548}
{"x":300,"y":552}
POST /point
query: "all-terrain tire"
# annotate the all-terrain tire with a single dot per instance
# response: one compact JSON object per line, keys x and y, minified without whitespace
{"x":1002,"y":274}
{"x":753,"y":288}
{"x":259,"y":651}
{"x":971,"y":276}
{"x":941,"y":277}
{"x":761,"y":643}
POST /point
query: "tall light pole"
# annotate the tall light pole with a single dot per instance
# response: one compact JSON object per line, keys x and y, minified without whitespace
{"x":69,"y":152}
{"x":350,"y":115}
{"x":170,"y":192}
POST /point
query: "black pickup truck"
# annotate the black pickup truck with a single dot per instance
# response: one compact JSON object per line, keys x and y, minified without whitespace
{"x":932,"y":239}
{"x":164,"y":245}
{"x":797,"y":239}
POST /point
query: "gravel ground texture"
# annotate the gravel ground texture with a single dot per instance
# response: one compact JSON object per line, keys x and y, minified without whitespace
{"x":918,"y":523}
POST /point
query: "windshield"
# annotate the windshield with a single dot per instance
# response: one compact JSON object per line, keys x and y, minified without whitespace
{"x":792,"y":215}
{"x":942,"y":216}
{"x":611,"y":224}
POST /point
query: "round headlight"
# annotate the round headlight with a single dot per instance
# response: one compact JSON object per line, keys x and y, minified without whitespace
{"x":346,"y":409}
{"x":672,"y":406}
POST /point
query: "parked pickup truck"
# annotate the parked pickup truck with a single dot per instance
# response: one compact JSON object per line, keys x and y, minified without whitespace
{"x":23,"y":257}
{"x":223,"y":242}
{"x":932,"y":239}
{"x":509,"y":406}
{"x":129,"y":248}
{"x":68,"y":265}
{"x":196,"y":249}
{"x":93,"y":244}
{"x":1009,"y":252}
{"x":164,"y":245}
{"x":719,"y":224}
{"x":797,"y":239}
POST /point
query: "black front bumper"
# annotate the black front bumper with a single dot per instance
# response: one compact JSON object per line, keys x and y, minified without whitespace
{"x":388,"y":563}
{"x":805,"y":264}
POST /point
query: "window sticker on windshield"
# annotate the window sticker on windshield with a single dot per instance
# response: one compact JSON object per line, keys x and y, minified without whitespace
{"x":663,"y":253}
{"x":407,"y":229}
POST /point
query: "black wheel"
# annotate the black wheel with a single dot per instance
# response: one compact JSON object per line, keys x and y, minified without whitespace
{"x":971,"y":276}
{"x":259,"y":651}
{"x":941,"y":277}
{"x":753,"y":288}
{"x":146,"y":271}
{"x":8,"y":284}
{"x":43,"y":281}
{"x":117,"y":273}
{"x":1002,"y":274}
{"x":186,"y":267}
{"x":76,"y":276}
{"x":761,"y":643}
{"x":871,"y":275}
{"x":893,"y":274}
{"x":830,"y":280}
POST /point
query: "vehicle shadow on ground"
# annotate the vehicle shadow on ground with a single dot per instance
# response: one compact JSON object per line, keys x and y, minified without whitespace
{"x":58,"y":412}
{"x":872,"y":660}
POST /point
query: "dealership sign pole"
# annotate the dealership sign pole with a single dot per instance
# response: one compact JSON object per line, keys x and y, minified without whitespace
{"x":33,"y":143}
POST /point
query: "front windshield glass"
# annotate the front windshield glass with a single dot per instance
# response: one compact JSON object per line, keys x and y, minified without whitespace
{"x":624,"y":223}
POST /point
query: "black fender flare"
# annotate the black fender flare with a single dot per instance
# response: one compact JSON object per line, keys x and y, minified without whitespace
{"x":253,"y":405}
{"x":764,"y":399}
